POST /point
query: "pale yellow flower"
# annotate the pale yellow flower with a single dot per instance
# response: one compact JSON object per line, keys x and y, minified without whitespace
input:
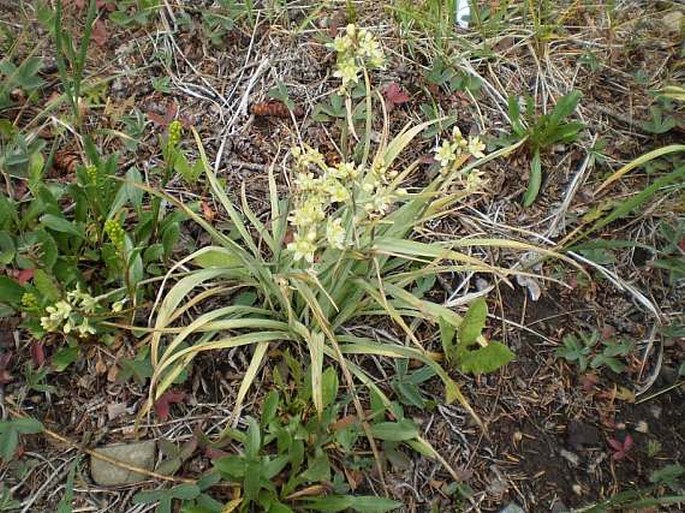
{"x":336,"y":191}
{"x":309,"y":214}
{"x":348,"y":71}
{"x":303,"y":246}
{"x":476,"y":147}
{"x":85,"y":328}
{"x":446,"y":153}
{"x":335,"y":234}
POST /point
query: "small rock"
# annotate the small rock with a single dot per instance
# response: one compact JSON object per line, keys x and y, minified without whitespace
{"x":513,"y":508}
{"x":137,"y":454}
{"x":674,"y":22}
{"x":642,"y":427}
{"x":655,"y":410}
{"x":572,"y":458}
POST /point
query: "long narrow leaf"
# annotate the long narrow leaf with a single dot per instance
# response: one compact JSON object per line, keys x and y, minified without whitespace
{"x":640,"y":161}
{"x":249,"y":377}
{"x":219,"y":192}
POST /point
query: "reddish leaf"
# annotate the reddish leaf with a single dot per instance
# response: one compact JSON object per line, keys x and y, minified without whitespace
{"x":168,"y":398}
{"x":681,"y":245}
{"x":621,"y":449}
{"x":615,"y":444}
{"x":37,"y":354}
{"x":22,"y":276}
{"x":588,"y":382}
{"x":394,"y":95}
{"x":100,"y":36}
{"x":169,"y":115}
{"x":5,"y":376}
{"x":214,"y":454}
{"x":207,"y":211}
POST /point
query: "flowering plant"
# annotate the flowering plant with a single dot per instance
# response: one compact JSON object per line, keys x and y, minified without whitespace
{"x":344,"y":246}
{"x":357,"y":49}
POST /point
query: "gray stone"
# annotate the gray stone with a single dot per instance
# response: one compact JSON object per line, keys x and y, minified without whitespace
{"x":137,"y":454}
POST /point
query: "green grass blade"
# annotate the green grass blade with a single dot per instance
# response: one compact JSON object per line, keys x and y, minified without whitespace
{"x":225,"y":201}
{"x":640,"y":161}
{"x":633,"y":202}
{"x":535,"y":180}
{"x":249,"y":378}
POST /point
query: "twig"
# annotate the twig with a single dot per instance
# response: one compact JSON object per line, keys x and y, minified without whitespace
{"x":107,"y":459}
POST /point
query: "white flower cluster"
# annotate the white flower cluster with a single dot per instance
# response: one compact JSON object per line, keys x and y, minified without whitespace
{"x":450,"y":150}
{"x":71,"y":314}
{"x":356,"y":48}
{"x":317,"y":218}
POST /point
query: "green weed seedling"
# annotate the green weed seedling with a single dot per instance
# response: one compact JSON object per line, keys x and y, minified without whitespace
{"x":24,"y":77}
{"x":662,"y":118}
{"x":217,"y":23}
{"x":464,"y":351}
{"x":670,"y":256}
{"x":542,"y":132}
{"x":666,"y":480}
{"x":285,"y":452}
{"x":582,"y":349}
{"x":444,"y":74}
{"x":188,"y":493}
{"x":70,"y":58}
{"x":56,"y":249}
{"x":134,"y":13}
{"x":10,"y":433}
{"x":7,"y":502}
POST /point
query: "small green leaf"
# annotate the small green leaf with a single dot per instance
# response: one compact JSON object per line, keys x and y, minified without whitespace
{"x":64,"y":358}
{"x":270,"y":407}
{"x":170,"y":236}
{"x":27,"y":426}
{"x":232,"y":466}
{"x":535,"y":180}
{"x":273,"y":467}
{"x":362,"y":504}
{"x":185,"y":491}
{"x":217,"y":258}
{"x":10,"y":431}
{"x":253,"y":443}
{"x":10,"y":291}
{"x":46,"y":286}
{"x":486,"y":359}
{"x":319,"y":470}
{"x":59,"y":224}
{"x":329,"y":386}
{"x":473,"y":323}
{"x":400,"y":431}
{"x":253,"y":479}
{"x":7,"y":248}
{"x":447,"y":337}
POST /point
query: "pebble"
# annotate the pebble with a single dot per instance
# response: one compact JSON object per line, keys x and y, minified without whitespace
{"x":137,"y":454}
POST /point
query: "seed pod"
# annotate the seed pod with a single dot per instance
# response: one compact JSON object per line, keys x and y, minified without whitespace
{"x":274,"y":109}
